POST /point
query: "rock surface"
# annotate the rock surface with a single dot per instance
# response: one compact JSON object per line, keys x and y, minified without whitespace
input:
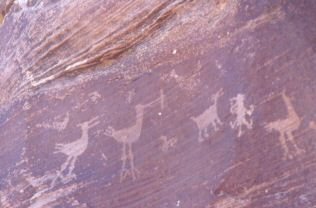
{"x":157,"y":103}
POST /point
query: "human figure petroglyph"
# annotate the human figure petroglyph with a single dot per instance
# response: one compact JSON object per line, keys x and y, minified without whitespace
{"x":238,"y":108}
{"x":58,"y":124}
{"x":127,"y":137}
{"x":286,"y":127}
{"x":73,"y":150}
{"x":209,"y":116}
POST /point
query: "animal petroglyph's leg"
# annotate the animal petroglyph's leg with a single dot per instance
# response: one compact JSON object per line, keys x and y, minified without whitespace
{"x":248,"y":123}
{"x":64,"y":165}
{"x":200,"y":139}
{"x":53,"y":182}
{"x":239,"y":131}
{"x":205,"y":133}
{"x":124,"y":172}
{"x":214,"y":124}
{"x":218,"y":123}
{"x":133,"y":170}
{"x":284,"y":146}
{"x":233,"y":124}
{"x":290,"y":137}
{"x":71,"y":168}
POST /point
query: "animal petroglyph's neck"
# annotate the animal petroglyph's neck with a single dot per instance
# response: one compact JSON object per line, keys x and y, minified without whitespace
{"x":290,"y":108}
{"x":84,"y":134}
{"x":215,"y":99}
{"x":139,"y":118}
{"x":217,"y":96}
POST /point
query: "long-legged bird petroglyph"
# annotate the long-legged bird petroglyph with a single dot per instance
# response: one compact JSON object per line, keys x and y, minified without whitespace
{"x":127,"y":137}
{"x":73,"y":150}
{"x":286,"y":127}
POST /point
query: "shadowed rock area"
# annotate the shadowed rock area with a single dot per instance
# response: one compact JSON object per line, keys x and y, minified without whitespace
{"x":157,"y":103}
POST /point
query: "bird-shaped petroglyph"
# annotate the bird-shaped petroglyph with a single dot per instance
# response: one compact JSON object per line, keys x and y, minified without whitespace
{"x":127,"y":137}
{"x":286,"y":127}
{"x":73,"y":150}
{"x":238,"y":108}
{"x":209,"y":116}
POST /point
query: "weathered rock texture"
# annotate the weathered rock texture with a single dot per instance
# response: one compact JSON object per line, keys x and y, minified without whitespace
{"x":157,"y":103}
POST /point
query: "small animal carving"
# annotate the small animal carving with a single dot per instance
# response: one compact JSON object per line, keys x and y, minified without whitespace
{"x":73,"y":150}
{"x":167,"y":143}
{"x":286,"y":127}
{"x":239,"y":109}
{"x":209,"y":116}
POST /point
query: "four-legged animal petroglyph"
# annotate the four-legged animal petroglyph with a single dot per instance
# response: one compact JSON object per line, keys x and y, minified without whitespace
{"x":286,"y":127}
{"x":239,"y":109}
{"x":209,"y":116}
{"x":188,"y":83}
{"x":73,"y":150}
{"x":58,"y":124}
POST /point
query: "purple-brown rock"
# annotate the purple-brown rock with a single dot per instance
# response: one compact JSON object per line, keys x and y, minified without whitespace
{"x":157,"y":103}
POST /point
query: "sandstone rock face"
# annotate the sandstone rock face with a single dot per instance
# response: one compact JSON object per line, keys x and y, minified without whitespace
{"x":160,"y":103}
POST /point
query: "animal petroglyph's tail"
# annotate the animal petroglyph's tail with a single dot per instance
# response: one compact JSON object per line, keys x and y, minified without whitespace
{"x":109,"y":131}
{"x":268,"y":127}
{"x":93,"y":122}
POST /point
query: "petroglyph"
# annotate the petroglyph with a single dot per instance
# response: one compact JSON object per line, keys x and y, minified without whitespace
{"x":26,"y":106}
{"x":42,"y":184}
{"x":95,"y":96}
{"x":188,"y":83}
{"x":230,"y":202}
{"x":59,"y":124}
{"x":22,"y":3}
{"x":312,"y":125}
{"x":127,"y":137}
{"x":50,"y":199}
{"x":286,"y":127}
{"x":162,"y":99}
{"x":166,"y":143}
{"x":130,"y":95}
{"x":73,"y":150}
{"x":209,"y":116}
{"x":239,"y":109}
